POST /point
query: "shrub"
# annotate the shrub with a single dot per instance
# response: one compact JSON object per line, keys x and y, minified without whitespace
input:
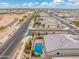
{"x":76,"y":23}
{"x":21,"y":20}
{"x":27,"y":51}
{"x":28,"y":46}
{"x":1,"y":28}
{"x":33,"y":53}
{"x":27,"y":57}
{"x":39,"y":37}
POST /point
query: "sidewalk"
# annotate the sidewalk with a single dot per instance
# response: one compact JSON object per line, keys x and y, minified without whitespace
{"x":20,"y":49}
{"x":10,"y":31}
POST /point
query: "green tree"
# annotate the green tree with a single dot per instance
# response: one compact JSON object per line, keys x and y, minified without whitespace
{"x":38,"y":24}
{"x":34,"y":25}
{"x":43,"y":25}
{"x":38,"y":33}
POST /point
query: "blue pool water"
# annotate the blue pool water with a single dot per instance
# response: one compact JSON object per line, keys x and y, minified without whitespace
{"x":38,"y":48}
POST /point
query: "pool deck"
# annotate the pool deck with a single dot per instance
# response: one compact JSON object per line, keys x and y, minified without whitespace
{"x":35,"y":40}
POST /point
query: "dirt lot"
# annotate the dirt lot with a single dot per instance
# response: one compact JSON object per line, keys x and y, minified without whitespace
{"x":6,"y":19}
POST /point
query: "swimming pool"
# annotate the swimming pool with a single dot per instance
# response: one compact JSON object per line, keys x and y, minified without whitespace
{"x":38,"y":48}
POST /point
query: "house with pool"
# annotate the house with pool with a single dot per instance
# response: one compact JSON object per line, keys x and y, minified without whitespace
{"x":55,"y":45}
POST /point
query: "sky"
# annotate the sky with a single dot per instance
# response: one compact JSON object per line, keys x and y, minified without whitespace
{"x":72,"y":4}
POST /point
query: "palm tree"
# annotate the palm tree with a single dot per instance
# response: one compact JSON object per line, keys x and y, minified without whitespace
{"x":48,"y":26}
{"x":43,"y":25}
{"x":38,"y":33}
{"x":38,"y":24}
{"x":58,"y":26}
{"x":34,"y":25}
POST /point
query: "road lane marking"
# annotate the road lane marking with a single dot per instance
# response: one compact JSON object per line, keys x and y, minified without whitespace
{"x":14,"y":39}
{"x":7,"y":48}
{"x":11,"y":44}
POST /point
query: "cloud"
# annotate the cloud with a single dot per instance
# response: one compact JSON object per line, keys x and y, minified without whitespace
{"x":58,"y":1}
{"x":67,"y":5}
{"x":30,"y":4}
{"x":4,"y":4}
{"x":55,"y":4}
{"x":44,"y":4}
{"x":37,"y":4}
{"x":73,"y":0}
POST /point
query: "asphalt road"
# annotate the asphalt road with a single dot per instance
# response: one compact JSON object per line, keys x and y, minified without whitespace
{"x":72,"y":29}
{"x":9,"y":46}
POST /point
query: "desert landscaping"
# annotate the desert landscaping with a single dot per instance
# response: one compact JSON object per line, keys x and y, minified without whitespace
{"x":8,"y":23}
